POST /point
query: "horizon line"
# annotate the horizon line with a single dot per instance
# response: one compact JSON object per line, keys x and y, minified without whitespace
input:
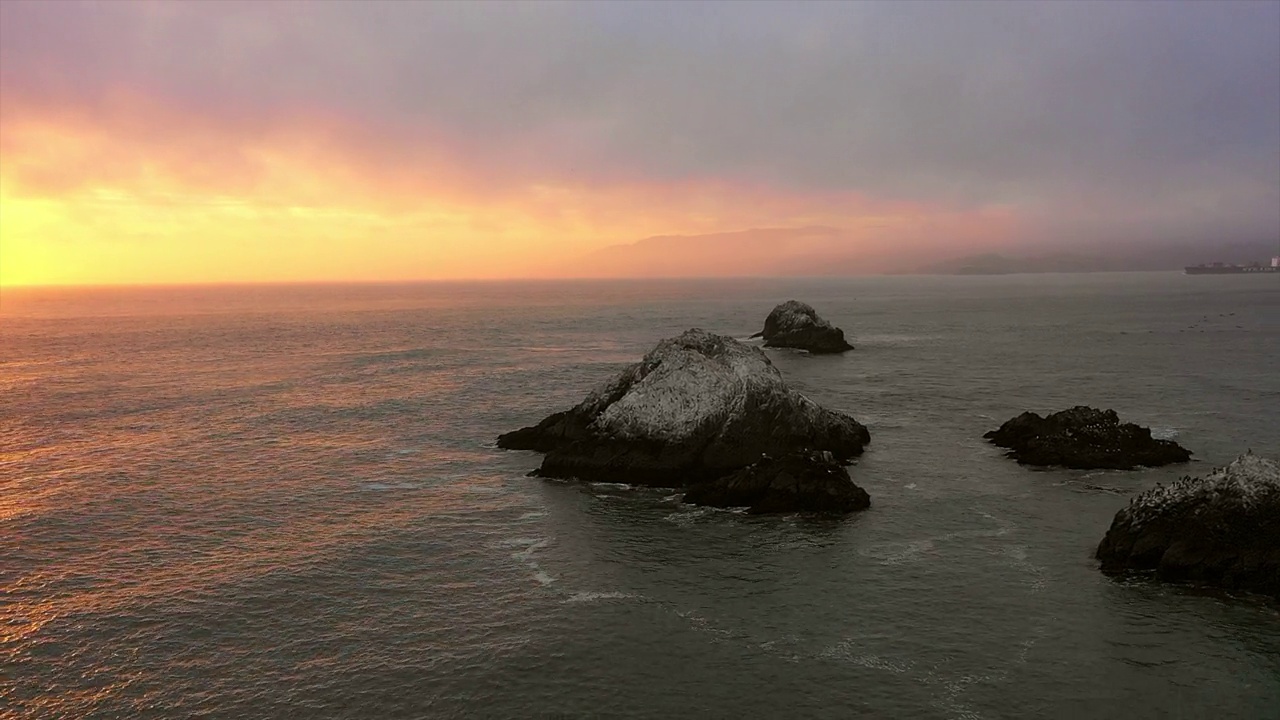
{"x":481,"y":280}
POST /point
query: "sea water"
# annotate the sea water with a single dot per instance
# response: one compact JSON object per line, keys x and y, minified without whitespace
{"x":285,"y":501}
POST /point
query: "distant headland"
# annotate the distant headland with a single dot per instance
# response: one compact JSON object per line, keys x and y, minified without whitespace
{"x":821,"y":251}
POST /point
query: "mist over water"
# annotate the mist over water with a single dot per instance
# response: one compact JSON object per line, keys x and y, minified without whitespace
{"x":262,"y":502}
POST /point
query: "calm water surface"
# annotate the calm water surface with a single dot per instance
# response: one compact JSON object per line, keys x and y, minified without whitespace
{"x":272,"y":502}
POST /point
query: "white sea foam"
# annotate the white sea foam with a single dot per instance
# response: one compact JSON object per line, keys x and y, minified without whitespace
{"x":688,"y":515}
{"x":1094,"y":487}
{"x":530,"y":547}
{"x":898,"y":553}
{"x":1016,"y":557}
{"x":702,"y":624}
{"x":588,"y":597}
{"x":521,"y":542}
{"x":612,"y":486}
{"x":849,"y":652}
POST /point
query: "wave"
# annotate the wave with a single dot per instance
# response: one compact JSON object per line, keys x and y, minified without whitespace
{"x":529,"y":545}
{"x":1094,"y":487}
{"x":589,"y":597}
{"x":376,"y":486}
{"x":688,"y":514}
{"x":391,"y":356}
{"x":892,"y":339}
{"x":899,"y":553}
{"x":848,"y":652}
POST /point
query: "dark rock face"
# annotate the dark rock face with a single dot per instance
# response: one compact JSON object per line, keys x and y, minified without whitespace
{"x":1084,"y":438}
{"x":1221,"y":530}
{"x":698,"y":406}
{"x":799,"y":482}
{"x":794,"y":324}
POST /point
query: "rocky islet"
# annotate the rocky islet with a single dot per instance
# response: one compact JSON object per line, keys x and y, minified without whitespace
{"x":1084,"y":438}
{"x":794,"y":324}
{"x":697,"y":407}
{"x":1222,"y":529}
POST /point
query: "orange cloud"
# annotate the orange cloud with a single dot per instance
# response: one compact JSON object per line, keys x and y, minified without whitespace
{"x":134,"y":192}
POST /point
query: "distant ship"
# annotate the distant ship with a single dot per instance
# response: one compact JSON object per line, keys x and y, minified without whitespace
{"x":1222,"y":269}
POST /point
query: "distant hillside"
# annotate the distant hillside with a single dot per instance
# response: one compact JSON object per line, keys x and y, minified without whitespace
{"x":1160,"y":257}
{"x":814,"y":251}
{"x":756,"y":252}
{"x":993,"y":264}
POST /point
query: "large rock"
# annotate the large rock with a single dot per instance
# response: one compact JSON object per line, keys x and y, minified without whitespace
{"x":697,"y":407}
{"x":1222,"y":530}
{"x":1084,"y":438}
{"x":794,"y":324}
{"x":799,"y":482}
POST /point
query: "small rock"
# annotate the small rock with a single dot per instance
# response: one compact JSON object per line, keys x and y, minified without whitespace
{"x":794,"y":324}
{"x":1084,"y":438}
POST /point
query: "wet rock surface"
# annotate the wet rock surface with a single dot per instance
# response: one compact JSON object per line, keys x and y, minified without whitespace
{"x":1221,"y":530}
{"x":799,"y":482}
{"x":1084,"y":438}
{"x":697,"y":407}
{"x":794,"y":324}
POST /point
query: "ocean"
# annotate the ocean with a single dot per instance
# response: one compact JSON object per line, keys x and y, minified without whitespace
{"x":285,"y":502}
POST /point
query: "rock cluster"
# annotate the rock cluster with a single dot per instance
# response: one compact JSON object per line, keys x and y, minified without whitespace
{"x":794,"y":324}
{"x":697,"y":407}
{"x":1222,"y":529}
{"x":1084,"y":438}
{"x":713,"y":416}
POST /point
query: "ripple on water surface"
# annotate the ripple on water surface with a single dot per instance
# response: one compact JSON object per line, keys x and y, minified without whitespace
{"x":216,"y":509}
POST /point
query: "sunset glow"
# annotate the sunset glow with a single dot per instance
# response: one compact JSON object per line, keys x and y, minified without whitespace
{"x":84,"y":204}
{"x":233,"y":142}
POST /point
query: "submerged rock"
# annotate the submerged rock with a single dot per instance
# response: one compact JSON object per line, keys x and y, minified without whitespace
{"x":794,"y":324}
{"x":799,"y":482}
{"x":698,"y":406}
{"x":1084,"y":438}
{"x":1222,"y":529}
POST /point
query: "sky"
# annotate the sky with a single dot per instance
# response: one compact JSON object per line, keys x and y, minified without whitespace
{"x":177,"y":142}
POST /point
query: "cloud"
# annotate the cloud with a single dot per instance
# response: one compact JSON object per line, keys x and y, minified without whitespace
{"x":1106,"y":120}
